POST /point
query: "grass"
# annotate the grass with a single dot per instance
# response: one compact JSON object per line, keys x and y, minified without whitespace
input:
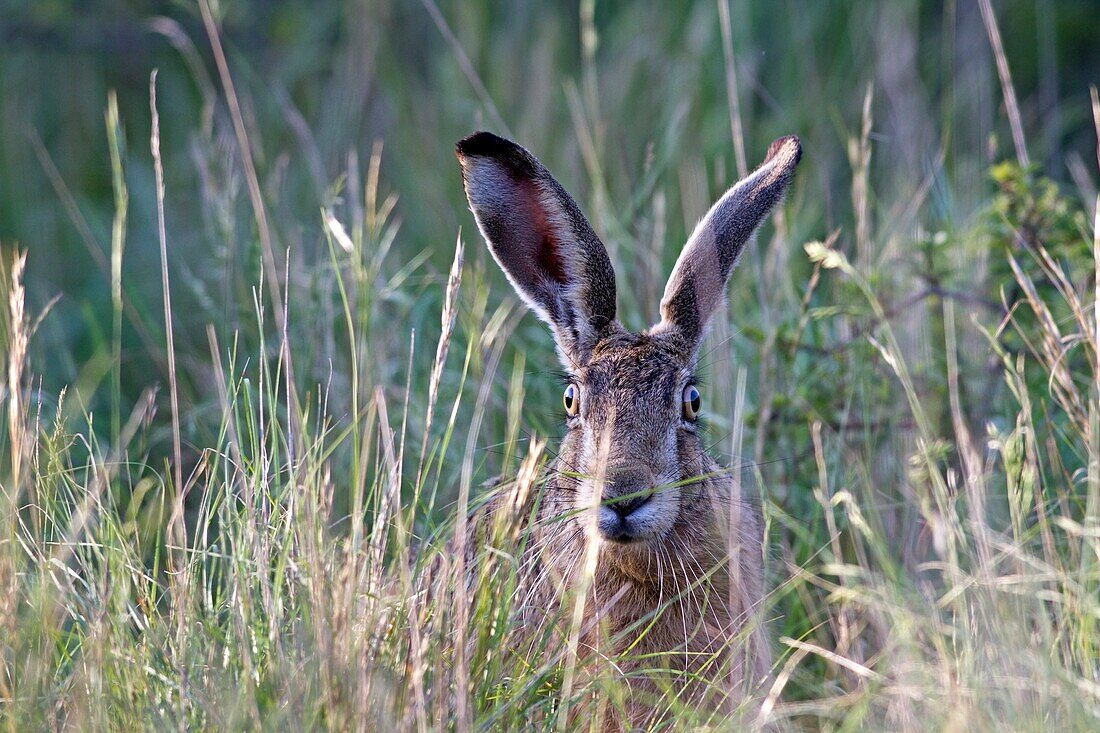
{"x":237,"y":507}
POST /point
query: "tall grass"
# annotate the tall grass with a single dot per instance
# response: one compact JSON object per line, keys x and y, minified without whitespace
{"x":280,"y":540}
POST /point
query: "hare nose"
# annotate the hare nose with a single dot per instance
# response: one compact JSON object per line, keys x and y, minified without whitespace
{"x":628,"y":488}
{"x":625,"y":507}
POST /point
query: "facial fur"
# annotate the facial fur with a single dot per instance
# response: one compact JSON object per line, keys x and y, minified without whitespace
{"x":631,"y":443}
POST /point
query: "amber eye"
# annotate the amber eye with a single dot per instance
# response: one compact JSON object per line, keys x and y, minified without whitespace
{"x":572,"y":400}
{"x":693,"y":402}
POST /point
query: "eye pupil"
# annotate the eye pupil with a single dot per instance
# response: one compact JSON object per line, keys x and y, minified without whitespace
{"x":693,"y":402}
{"x":569,"y":399}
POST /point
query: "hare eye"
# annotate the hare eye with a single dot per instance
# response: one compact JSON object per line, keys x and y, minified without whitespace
{"x":572,"y":400}
{"x":693,"y":402}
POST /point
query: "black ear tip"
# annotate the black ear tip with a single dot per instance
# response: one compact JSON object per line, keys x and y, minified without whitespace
{"x":483,"y":144}
{"x":789,"y":148}
{"x":505,"y":152}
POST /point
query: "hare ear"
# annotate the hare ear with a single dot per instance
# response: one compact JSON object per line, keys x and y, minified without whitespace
{"x":541,"y":240}
{"x":698,"y":282}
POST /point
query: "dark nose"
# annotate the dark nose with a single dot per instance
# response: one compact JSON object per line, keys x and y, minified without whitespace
{"x":625,"y":507}
{"x":628,"y":488}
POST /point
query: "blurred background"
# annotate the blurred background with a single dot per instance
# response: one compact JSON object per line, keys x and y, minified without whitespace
{"x":621,"y":100}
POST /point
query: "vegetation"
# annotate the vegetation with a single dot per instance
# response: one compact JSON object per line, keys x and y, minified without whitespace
{"x":258,"y":363}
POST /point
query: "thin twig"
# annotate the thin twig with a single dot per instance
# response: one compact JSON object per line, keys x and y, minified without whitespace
{"x":173,"y":385}
{"x":271,"y":272}
{"x":1007,"y":88}
{"x":465,"y":65}
{"x":731,"y":90}
{"x":910,"y":302}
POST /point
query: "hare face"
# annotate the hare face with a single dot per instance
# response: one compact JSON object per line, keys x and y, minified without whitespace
{"x":629,"y":436}
{"x":631,"y":467}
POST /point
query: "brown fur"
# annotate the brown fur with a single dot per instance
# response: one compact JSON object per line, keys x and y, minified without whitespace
{"x":675,"y":597}
{"x":676,"y":603}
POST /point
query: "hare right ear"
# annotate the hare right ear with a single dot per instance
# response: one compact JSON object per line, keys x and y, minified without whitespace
{"x":541,"y":240}
{"x":698,"y":282}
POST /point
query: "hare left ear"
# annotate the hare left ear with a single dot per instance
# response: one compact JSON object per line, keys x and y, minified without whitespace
{"x":542,"y":241}
{"x":698,"y":282}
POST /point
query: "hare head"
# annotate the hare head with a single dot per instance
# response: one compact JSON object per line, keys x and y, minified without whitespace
{"x":632,"y":456}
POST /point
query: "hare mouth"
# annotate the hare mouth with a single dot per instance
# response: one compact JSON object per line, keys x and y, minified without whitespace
{"x":643,"y":523}
{"x":620,"y":535}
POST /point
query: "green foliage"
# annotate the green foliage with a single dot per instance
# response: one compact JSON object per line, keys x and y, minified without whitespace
{"x":1029,"y":211}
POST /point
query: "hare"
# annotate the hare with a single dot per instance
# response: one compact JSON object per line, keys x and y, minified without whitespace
{"x":678,"y":578}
